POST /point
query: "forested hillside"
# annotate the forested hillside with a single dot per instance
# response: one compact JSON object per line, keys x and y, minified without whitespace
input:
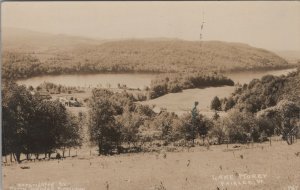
{"x":28,"y":54}
{"x":264,"y":93}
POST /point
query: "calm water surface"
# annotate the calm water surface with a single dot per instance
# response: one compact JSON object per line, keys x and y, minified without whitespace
{"x":246,"y":77}
{"x":93,"y":80}
{"x":131,"y":80}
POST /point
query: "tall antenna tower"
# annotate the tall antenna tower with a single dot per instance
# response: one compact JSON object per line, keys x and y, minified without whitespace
{"x":202,"y":26}
{"x":201,"y":35}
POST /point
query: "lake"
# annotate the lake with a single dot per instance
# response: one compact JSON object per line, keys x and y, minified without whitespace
{"x":175,"y":102}
{"x":247,"y":76}
{"x":93,"y":80}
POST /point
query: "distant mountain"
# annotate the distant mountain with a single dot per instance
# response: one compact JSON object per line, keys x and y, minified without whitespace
{"x":290,"y":56}
{"x":58,"y":54}
{"x":179,"y":55}
{"x":16,"y":39}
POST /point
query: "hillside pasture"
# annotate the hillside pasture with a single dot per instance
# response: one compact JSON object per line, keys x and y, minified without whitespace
{"x":260,"y":166}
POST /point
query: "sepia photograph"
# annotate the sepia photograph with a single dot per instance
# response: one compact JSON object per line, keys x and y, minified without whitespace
{"x":150,"y":95}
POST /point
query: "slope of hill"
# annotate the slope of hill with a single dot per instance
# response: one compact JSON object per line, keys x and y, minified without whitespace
{"x":27,"y":41}
{"x":179,"y":55}
{"x":28,"y":53}
{"x":266,"y":92}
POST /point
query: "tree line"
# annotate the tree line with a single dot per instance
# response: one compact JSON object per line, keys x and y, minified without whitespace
{"x":56,"y":88}
{"x":117,"y":124}
{"x":173,"y":83}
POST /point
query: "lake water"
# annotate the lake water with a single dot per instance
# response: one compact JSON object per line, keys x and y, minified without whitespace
{"x":131,"y":80}
{"x":93,"y":80}
{"x":246,"y":77}
{"x":176,"y":102}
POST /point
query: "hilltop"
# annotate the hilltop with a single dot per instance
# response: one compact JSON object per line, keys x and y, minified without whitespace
{"x":180,"y":55}
{"x":29,"y":53}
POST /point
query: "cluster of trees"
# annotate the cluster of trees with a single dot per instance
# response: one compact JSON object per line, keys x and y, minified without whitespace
{"x":240,"y":125}
{"x":224,"y":104}
{"x":243,"y":126}
{"x":31,"y":125}
{"x":261,"y":94}
{"x":56,"y":88}
{"x":177,"y":82}
{"x":19,"y":65}
{"x":285,"y":119}
{"x":272,"y":104}
{"x":117,"y":123}
{"x":113,"y":119}
{"x":180,"y":130}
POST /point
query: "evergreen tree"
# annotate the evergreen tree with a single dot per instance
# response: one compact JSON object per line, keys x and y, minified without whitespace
{"x":215,"y":104}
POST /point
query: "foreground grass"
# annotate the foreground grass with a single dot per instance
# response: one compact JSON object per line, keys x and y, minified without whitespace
{"x":260,"y":166}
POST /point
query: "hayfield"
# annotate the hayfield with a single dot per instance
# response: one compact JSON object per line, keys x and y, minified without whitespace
{"x":258,"y":166}
{"x":183,"y":102}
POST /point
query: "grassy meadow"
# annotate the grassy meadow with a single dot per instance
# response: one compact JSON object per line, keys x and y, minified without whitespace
{"x":260,"y":166}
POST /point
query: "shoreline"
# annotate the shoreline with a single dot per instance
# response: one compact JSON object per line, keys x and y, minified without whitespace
{"x":230,"y":71}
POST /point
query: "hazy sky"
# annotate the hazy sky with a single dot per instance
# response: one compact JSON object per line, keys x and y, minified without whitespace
{"x":270,"y":25}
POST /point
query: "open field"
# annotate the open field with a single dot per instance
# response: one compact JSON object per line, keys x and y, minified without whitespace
{"x":260,"y":167}
{"x":183,"y":102}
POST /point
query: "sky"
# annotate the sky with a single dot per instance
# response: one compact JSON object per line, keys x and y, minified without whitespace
{"x":270,"y":25}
